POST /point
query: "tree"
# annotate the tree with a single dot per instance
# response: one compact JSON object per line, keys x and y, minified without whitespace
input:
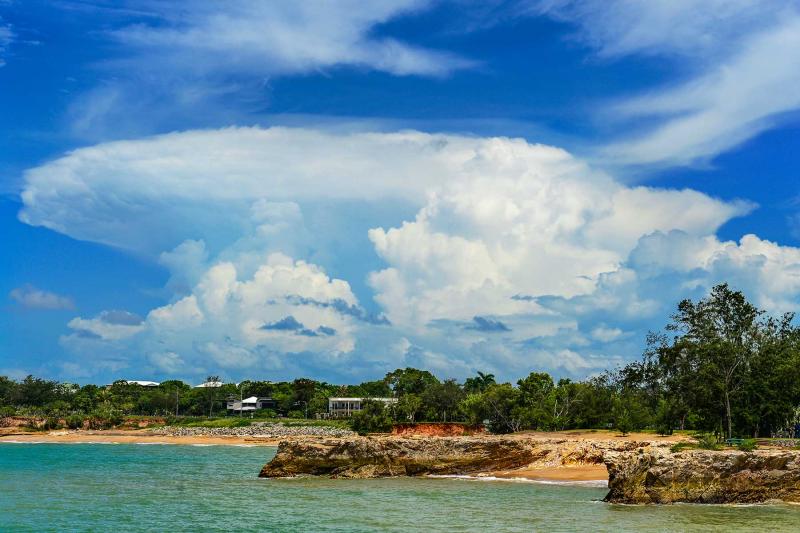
{"x":479,"y":383}
{"x":211,"y":392}
{"x":440,"y":400}
{"x":372,"y":418}
{"x":500,"y":402}
{"x":718,"y":335}
{"x":408,"y":405}
{"x":410,"y":381}
{"x":536,"y":398}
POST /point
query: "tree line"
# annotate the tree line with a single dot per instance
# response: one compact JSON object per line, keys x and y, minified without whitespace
{"x":720,"y":365}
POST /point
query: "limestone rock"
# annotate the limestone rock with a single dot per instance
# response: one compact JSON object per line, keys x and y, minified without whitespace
{"x":703,"y":476}
{"x":365,"y":457}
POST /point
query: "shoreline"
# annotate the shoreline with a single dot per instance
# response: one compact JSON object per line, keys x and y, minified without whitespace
{"x":573,"y":473}
{"x":132,"y":437}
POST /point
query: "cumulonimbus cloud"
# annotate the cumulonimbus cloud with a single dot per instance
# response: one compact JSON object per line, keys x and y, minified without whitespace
{"x":518,"y":256}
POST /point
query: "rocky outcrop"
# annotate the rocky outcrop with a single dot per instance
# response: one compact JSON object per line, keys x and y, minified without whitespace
{"x":364,"y":457}
{"x":702,"y":476}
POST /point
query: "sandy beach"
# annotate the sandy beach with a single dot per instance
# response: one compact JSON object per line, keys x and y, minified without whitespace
{"x":132,"y":437}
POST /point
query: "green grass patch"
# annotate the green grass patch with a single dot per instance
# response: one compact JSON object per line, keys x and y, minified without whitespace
{"x":747,"y":445}
{"x":680,"y":446}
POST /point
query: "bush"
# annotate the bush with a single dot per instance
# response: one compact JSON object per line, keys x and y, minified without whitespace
{"x":265,"y":413}
{"x":708,"y":442}
{"x":747,"y":445}
{"x":7,"y":410}
{"x":51,"y":423}
{"x":296,"y":414}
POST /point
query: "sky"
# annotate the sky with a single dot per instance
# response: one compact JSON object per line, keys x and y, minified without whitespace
{"x":269,"y":190}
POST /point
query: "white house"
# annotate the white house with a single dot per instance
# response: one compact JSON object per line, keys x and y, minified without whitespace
{"x":209,"y":384}
{"x":142,"y":383}
{"x":250,"y":404}
{"x":344,"y":407}
{"x":139,"y":382}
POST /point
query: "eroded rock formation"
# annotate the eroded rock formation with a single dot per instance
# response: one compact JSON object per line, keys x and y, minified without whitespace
{"x":365,"y":457}
{"x":702,"y":476}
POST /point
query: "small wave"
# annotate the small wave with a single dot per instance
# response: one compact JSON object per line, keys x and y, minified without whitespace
{"x":600,"y":483}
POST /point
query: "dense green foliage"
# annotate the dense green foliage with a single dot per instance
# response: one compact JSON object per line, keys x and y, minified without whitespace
{"x":721,"y":366}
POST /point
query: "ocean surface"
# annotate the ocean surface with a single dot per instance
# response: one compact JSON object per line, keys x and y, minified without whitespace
{"x":130,"y":487}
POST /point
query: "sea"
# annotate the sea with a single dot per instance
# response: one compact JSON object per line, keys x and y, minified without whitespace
{"x":138,"y":487}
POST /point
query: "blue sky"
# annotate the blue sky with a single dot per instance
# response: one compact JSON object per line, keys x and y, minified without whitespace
{"x":454,"y":185}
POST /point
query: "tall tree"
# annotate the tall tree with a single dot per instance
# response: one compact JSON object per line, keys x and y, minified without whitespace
{"x":718,"y":335}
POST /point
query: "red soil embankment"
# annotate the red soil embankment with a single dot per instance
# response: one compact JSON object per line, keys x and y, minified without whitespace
{"x":436,"y":429}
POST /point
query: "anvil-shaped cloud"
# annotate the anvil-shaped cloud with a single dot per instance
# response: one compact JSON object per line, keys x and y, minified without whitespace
{"x":573,"y":264}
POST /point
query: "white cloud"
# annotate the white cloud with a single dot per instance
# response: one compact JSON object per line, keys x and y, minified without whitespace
{"x":222,"y":57}
{"x":519,"y":256}
{"x":34,"y":298}
{"x":107,"y":326}
{"x":287,"y":307}
{"x":738,"y":65}
{"x":745,"y":95}
{"x":696,"y":28}
{"x":275,"y":37}
{"x":6,"y":38}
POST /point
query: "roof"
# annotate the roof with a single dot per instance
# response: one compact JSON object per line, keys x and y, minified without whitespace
{"x":142,"y":383}
{"x":208,"y":384}
{"x":361,"y":399}
{"x":251,"y":399}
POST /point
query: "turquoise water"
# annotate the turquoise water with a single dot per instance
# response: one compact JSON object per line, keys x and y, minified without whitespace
{"x":129,"y":487}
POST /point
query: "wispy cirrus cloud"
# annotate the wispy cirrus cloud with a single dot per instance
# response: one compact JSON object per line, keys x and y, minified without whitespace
{"x":35,"y":298}
{"x":223,"y":55}
{"x":734,"y":63}
{"x":6,"y":38}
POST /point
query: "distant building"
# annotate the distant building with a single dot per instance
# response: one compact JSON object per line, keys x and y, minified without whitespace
{"x":209,"y":384}
{"x":139,"y":382}
{"x":250,"y":404}
{"x":142,"y":383}
{"x":344,"y":407}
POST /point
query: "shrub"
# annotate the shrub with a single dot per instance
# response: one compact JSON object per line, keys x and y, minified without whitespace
{"x":266,"y":413}
{"x":51,"y":423}
{"x":74,"y":422}
{"x":296,"y":414}
{"x":708,"y":442}
{"x":747,"y":445}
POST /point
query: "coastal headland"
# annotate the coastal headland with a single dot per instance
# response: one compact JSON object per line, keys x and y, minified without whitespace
{"x":565,"y":457}
{"x":638,"y":471}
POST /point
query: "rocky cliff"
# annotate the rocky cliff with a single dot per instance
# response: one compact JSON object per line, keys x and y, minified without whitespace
{"x":701,"y":476}
{"x":365,"y":457}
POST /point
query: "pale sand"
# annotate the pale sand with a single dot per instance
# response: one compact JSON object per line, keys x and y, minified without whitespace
{"x":132,"y":437}
{"x":557,"y":473}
